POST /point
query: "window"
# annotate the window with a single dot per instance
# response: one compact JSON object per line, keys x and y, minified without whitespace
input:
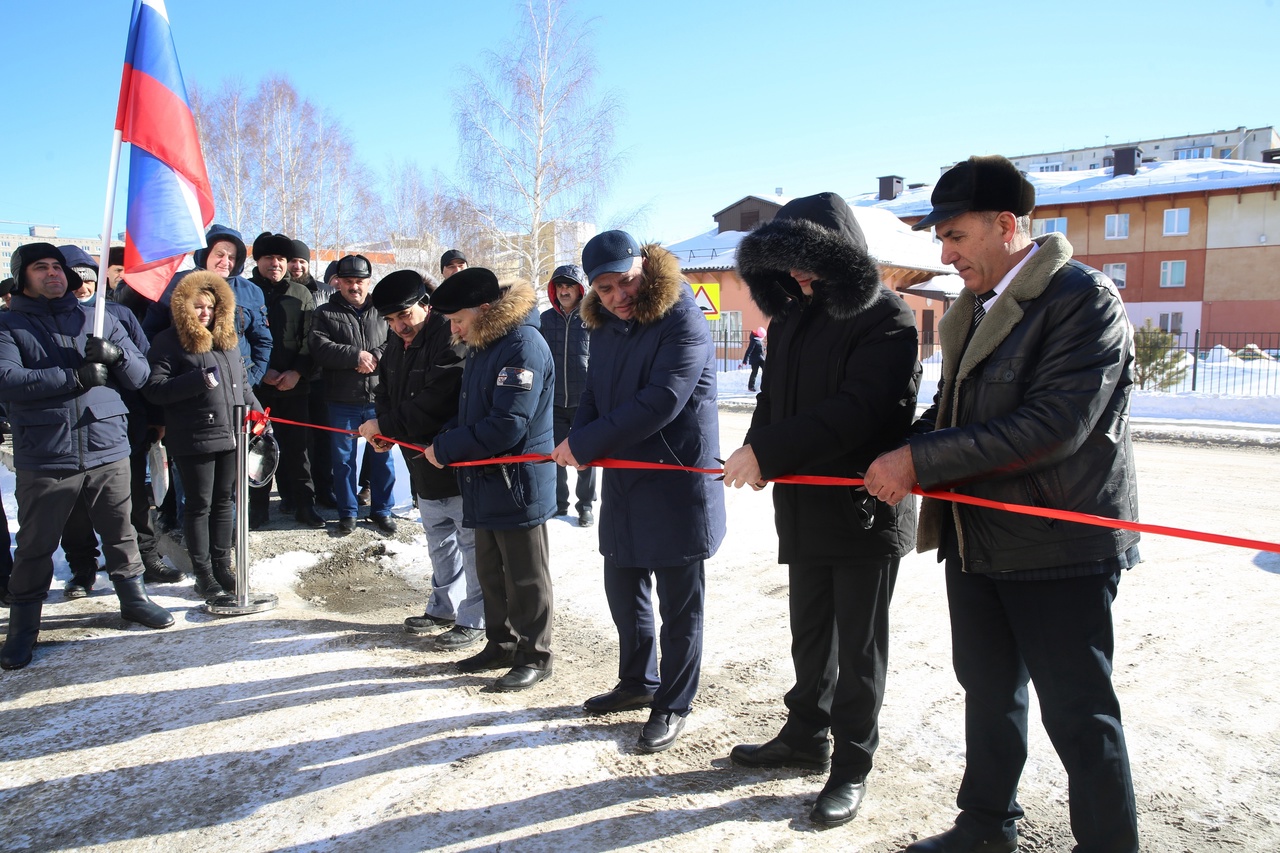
{"x":1204,"y":153}
{"x":1115,"y":272}
{"x":1173,"y":273}
{"x":1041,"y":227}
{"x":1177,"y":221}
{"x":1046,"y":167}
{"x":1117,"y":226}
{"x":1171,"y":323}
{"x":1224,"y":153}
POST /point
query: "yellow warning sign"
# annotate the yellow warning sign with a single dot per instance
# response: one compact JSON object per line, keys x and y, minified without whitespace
{"x":707,"y":295}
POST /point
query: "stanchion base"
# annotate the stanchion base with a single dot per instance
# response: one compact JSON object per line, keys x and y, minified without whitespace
{"x":228,"y":604}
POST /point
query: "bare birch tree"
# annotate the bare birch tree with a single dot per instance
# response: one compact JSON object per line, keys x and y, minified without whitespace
{"x":537,"y":143}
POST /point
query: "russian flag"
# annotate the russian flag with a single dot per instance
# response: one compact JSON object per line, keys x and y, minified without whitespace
{"x":170,"y":198}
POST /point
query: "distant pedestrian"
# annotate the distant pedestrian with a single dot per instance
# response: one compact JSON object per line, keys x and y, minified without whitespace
{"x":452,"y":261}
{"x":568,"y":339}
{"x":754,"y":356}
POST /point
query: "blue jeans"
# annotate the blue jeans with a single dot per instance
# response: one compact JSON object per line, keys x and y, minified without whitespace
{"x":346,"y":463}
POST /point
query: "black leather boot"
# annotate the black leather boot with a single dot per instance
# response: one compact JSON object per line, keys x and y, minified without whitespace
{"x":24,"y":627}
{"x":223,"y":575}
{"x":137,"y":606}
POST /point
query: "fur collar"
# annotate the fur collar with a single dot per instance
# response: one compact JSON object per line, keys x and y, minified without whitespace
{"x":193,"y":337}
{"x":849,"y":280}
{"x":506,"y":314}
{"x":660,"y":288}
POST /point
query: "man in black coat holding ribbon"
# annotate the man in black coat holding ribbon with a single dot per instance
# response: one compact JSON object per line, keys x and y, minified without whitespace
{"x":1032,"y":408}
{"x":840,"y":389}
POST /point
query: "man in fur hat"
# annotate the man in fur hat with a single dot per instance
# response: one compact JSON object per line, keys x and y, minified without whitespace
{"x":504,"y":410}
{"x":840,"y":389}
{"x":1032,"y":408}
{"x":650,"y":396}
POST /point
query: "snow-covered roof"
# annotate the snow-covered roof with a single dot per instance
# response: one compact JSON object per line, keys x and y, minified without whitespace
{"x":939,"y":287}
{"x":890,"y":241}
{"x":1152,"y":179}
{"x":777,"y":200}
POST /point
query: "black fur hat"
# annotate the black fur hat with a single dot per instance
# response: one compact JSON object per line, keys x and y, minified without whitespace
{"x":272,"y":244}
{"x":979,"y":183}
{"x":469,"y":288}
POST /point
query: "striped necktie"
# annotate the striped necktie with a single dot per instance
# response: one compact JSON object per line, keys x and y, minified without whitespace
{"x":979,"y":306}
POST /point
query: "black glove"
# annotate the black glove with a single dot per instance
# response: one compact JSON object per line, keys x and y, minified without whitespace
{"x":91,"y":374}
{"x":102,"y":351}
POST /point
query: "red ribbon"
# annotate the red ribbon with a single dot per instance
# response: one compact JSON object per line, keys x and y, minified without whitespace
{"x":814,"y":480}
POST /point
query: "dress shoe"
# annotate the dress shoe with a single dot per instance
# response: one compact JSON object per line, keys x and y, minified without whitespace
{"x":960,"y":840}
{"x":620,"y":698}
{"x":75,"y":589}
{"x":562,"y":510}
{"x":490,"y":657}
{"x":385,"y":523}
{"x":364,"y":497}
{"x":426,"y":623}
{"x":775,"y":753}
{"x":459,"y":637}
{"x":522,"y":677}
{"x":661,"y":731}
{"x":308,"y":517}
{"x":586,"y":518}
{"x":838,"y":803}
{"x":346,"y":526}
{"x":156,"y":570}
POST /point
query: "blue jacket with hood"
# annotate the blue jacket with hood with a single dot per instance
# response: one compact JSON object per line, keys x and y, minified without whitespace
{"x":58,"y":425}
{"x":251,"y":306}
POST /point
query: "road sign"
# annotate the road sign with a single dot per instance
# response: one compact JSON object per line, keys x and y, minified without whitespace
{"x":707,"y":295}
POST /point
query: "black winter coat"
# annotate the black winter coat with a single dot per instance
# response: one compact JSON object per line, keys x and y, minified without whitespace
{"x":198,"y":419}
{"x":290,"y":307}
{"x":840,"y":387}
{"x":1034,"y":411}
{"x":570,"y":347}
{"x":339,"y":333}
{"x":417,"y":395}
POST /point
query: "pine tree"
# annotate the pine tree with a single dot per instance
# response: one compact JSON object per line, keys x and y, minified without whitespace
{"x":1160,"y":362}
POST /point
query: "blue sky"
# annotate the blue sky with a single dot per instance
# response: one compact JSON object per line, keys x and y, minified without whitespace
{"x":722,"y":99}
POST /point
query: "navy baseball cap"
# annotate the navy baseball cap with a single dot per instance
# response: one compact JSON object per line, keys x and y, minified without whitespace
{"x":612,"y":251}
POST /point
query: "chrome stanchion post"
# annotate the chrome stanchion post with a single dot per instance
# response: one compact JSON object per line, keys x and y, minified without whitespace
{"x":242,"y":601}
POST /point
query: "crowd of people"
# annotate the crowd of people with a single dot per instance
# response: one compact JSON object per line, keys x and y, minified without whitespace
{"x":1032,"y":408}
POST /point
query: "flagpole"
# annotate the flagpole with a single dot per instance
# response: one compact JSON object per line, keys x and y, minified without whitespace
{"x":100,"y":309}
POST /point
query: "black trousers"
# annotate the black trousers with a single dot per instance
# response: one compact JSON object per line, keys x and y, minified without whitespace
{"x":80,"y":543}
{"x":293,"y":476}
{"x":840,"y":651}
{"x":585,"y":486}
{"x":45,"y":500}
{"x":6,"y":555}
{"x":515,"y":579}
{"x":208,"y":523}
{"x":1057,"y":634}
{"x":681,"y":598}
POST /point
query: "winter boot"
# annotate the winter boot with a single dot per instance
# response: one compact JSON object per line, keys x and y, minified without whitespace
{"x":136,"y":606}
{"x":223,"y":575}
{"x":206,"y":586}
{"x":158,"y":571}
{"x":24,"y":627}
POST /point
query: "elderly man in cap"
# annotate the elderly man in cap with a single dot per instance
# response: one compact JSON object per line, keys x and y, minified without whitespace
{"x":285,"y":388}
{"x":650,"y":397}
{"x":841,"y":389}
{"x":418,"y":382}
{"x":571,"y":349}
{"x":1032,"y":408}
{"x":452,"y":262}
{"x":69,"y":439}
{"x":348,"y":339}
{"x":504,"y":410}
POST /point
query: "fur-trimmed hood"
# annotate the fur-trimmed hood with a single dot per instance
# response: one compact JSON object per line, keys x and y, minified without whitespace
{"x":817,"y":234}
{"x":193,"y":337}
{"x":660,"y":288}
{"x":512,"y":309}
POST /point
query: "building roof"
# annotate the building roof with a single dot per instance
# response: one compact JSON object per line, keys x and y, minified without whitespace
{"x":890,"y":241}
{"x":775,"y":200}
{"x":1171,"y":177}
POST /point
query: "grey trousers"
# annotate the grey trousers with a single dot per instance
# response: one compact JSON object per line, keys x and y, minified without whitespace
{"x":455,"y":587}
{"x":45,"y":500}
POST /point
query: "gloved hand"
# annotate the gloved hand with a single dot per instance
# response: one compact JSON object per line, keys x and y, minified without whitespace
{"x":102,"y":351}
{"x":212,"y":377}
{"x":91,"y":374}
{"x":260,"y":420}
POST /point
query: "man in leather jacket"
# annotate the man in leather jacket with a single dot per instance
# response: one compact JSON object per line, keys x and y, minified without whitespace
{"x":1032,"y":408}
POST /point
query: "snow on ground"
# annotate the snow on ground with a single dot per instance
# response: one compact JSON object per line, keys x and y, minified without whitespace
{"x":322,"y":726}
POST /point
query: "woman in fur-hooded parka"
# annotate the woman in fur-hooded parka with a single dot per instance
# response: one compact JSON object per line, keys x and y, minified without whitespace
{"x":840,"y":387}
{"x":198,"y":378}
